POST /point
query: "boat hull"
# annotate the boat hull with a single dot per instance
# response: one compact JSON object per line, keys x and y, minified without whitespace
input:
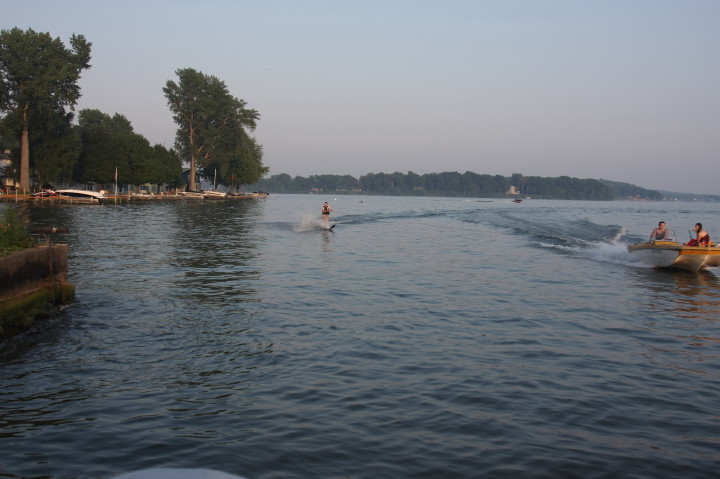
{"x":81,"y":196}
{"x":214,"y":194}
{"x":670,"y":254}
{"x":191,"y":194}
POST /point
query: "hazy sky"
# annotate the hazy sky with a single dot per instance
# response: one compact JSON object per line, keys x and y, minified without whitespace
{"x":625,"y":90}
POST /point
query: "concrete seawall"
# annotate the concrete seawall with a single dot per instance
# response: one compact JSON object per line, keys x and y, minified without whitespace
{"x":31,"y":282}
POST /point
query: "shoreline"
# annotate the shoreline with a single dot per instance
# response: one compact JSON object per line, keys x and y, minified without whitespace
{"x":115,"y":199}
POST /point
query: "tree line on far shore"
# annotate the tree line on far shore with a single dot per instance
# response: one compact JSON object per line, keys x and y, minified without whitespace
{"x":456,"y":184}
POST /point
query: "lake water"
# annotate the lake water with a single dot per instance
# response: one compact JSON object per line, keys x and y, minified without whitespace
{"x":422,"y":338}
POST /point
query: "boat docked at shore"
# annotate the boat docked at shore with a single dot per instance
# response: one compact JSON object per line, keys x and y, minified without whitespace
{"x":81,"y":196}
{"x":249,"y":196}
{"x":214,"y":194}
{"x":143,"y":196}
{"x":673,"y":254}
{"x":191,"y":194}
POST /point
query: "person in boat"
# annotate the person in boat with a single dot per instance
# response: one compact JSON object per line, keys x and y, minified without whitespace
{"x":660,"y":233}
{"x":326,"y":212}
{"x":702,"y":238}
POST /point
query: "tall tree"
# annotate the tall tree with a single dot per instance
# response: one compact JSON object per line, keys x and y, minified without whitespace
{"x":167,"y":167}
{"x":116,"y":124}
{"x":108,"y":142}
{"x":55,"y":148}
{"x":38,"y":77}
{"x":213,"y":128}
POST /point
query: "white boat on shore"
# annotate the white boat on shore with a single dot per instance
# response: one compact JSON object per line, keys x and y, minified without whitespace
{"x":143,"y":196}
{"x":81,"y":196}
{"x":214,"y":194}
{"x":191,"y":194}
{"x":672,"y":254}
{"x":249,"y":196}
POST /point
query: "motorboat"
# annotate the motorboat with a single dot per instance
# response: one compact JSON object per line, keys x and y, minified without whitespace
{"x":44,"y":193}
{"x":249,"y":196}
{"x":192,"y":194}
{"x":143,"y":196}
{"x":81,"y":196}
{"x":673,"y":254}
{"x":214,"y":194}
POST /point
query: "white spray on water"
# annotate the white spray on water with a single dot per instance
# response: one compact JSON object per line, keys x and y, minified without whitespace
{"x":310,"y":223}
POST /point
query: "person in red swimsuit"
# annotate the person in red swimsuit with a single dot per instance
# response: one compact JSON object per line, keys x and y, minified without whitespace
{"x":702,"y":239}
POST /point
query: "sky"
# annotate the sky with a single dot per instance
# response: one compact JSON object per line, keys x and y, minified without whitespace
{"x":622,"y":90}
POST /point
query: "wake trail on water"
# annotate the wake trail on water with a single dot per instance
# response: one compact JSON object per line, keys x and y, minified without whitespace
{"x":375,"y":217}
{"x":611,"y":248}
{"x":578,"y":237}
{"x":613,"y":251}
{"x":309,"y":222}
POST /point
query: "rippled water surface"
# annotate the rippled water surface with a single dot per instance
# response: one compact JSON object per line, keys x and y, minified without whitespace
{"x":422,"y":338}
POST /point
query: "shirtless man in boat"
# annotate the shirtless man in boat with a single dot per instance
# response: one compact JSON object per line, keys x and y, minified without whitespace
{"x":660,"y":233}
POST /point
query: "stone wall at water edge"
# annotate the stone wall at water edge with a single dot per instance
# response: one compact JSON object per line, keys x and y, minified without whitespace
{"x":32,"y":281}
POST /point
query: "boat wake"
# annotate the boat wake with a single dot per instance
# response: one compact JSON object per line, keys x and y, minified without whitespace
{"x":615,"y":253}
{"x":580,"y":237}
{"x":379,"y":217}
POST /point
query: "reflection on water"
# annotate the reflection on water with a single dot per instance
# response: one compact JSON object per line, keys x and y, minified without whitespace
{"x":693,"y":296}
{"x":326,"y":240}
{"x":699,"y":296}
{"x":680,"y":303}
{"x":424,"y":338}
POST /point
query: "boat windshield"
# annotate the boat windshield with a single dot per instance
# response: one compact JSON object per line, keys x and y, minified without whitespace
{"x":670,"y":237}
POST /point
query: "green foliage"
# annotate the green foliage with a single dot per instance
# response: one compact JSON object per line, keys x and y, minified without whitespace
{"x":100,"y":156}
{"x":14,"y":235}
{"x":166,"y":167}
{"x":117,"y":124}
{"x":109,"y":143}
{"x":55,"y":148}
{"x":38,"y":79}
{"x":136,"y":157}
{"x":38,"y":71}
{"x":39,"y":82}
{"x":213,"y":128}
{"x":626,"y":190}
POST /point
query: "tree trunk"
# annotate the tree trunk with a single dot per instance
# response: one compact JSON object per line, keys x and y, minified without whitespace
{"x":25,"y":154}
{"x":193,"y":168}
